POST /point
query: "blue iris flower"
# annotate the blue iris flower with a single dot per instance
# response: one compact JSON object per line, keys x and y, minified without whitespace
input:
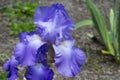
{"x":53,"y":27}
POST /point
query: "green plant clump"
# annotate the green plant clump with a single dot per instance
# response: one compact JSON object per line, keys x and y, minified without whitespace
{"x":20,"y":17}
{"x":110,"y":37}
{"x":3,"y":76}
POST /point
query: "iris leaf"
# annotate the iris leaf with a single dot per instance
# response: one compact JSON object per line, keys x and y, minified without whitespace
{"x":100,"y":25}
{"x":118,"y":35}
{"x":84,"y":23}
{"x":111,"y":18}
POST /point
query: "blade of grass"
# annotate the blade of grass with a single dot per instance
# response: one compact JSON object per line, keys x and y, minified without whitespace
{"x":100,"y":25}
{"x":84,"y":23}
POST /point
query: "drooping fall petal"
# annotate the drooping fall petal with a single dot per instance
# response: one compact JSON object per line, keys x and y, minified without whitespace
{"x":39,"y":72}
{"x":68,"y":59}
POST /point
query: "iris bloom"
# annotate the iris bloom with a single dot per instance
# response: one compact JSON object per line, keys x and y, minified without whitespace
{"x":53,"y":28}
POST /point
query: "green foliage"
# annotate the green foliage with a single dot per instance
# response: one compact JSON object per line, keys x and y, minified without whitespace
{"x":118,"y":35}
{"x":21,"y":17}
{"x":3,"y":76}
{"x":100,"y":25}
{"x":111,"y":38}
{"x":83,"y":23}
{"x":3,"y":56}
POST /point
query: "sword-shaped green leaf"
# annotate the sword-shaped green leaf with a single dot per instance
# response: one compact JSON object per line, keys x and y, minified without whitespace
{"x":111,"y":19}
{"x":84,"y":23}
{"x":118,"y":35}
{"x":100,"y":25}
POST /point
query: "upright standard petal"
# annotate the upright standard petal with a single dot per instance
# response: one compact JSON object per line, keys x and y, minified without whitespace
{"x":39,"y":72}
{"x":68,"y":59}
{"x":53,"y":23}
{"x":11,"y":66}
{"x":25,"y":51}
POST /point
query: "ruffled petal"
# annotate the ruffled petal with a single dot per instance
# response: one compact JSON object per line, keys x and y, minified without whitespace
{"x":25,"y":52}
{"x":11,"y":66}
{"x":68,"y":59}
{"x":19,"y":51}
{"x":39,"y":72}
{"x":56,"y":25}
{"x":34,"y":42}
{"x":41,"y":12}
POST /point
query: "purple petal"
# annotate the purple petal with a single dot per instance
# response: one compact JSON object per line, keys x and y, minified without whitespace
{"x":39,"y":72}
{"x":19,"y":51}
{"x":11,"y":66}
{"x":42,"y":53}
{"x":22,"y":36}
{"x":34,"y":42}
{"x":42,"y":12}
{"x":25,"y":52}
{"x":68,"y":59}
{"x":56,"y":25}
